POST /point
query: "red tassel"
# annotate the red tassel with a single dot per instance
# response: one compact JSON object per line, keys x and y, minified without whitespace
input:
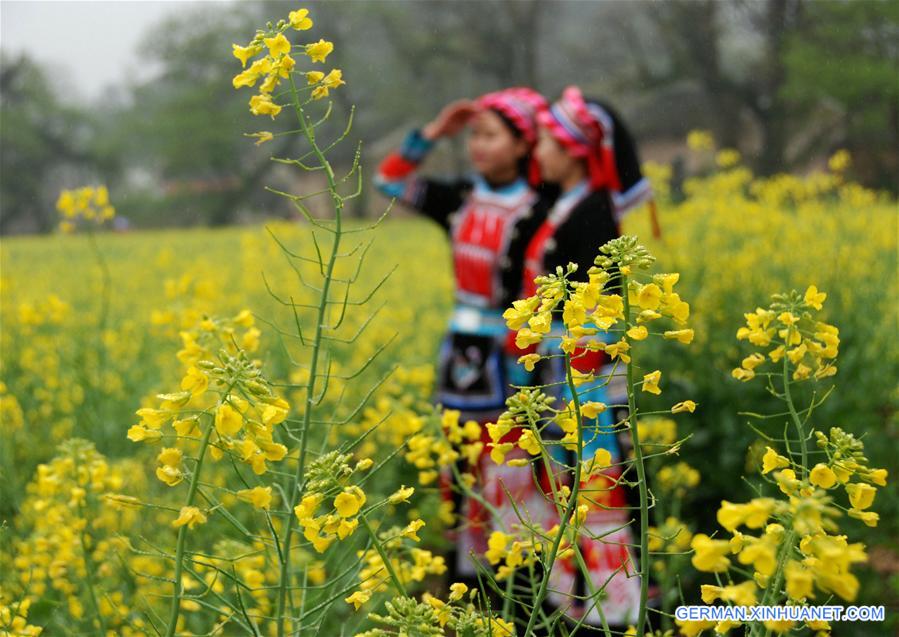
{"x":598,"y":178}
{"x":611,"y":168}
{"x":534,"y":172}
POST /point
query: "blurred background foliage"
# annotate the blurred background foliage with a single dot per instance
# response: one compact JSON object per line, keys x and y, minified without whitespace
{"x":786,"y":82}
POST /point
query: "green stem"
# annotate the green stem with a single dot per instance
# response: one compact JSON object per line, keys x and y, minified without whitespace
{"x":507,"y":601}
{"x":294,"y":489}
{"x":182,"y":536}
{"x":572,"y":501}
{"x":398,"y":584}
{"x":594,"y":593}
{"x":800,"y":430}
{"x":774,"y":583}
{"x":641,"y":469}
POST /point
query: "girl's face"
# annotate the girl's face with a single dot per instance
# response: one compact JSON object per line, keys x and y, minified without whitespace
{"x":493,"y":149}
{"x":555,"y":162}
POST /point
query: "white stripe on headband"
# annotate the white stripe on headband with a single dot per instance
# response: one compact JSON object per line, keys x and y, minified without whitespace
{"x":568,"y":124}
{"x":521,"y":107}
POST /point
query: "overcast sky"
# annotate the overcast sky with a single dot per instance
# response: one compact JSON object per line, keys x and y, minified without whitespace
{"x":89,"y":44}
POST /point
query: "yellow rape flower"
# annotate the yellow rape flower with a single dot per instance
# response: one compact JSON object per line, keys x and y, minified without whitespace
{"x":401,"y":495}
{"x":638,"y":333}
{"x":263,"y":105}
{"x":270,"y":83}
{"x":346,"y":528}
{"x":299,"y":19}
{"x":709,"y":555}
{"x":275,"y":412}
{"x":861,"y":495}
{"x":246,"y":78}
{"x":823,"y":476}
{"x":591,"y":409}
{"x":602,"y":459}
{"x":752,"y":361}
{"x":684,"y":336}
{"x":457,"y":591}
{"x":772,"y":460}
{"x":521,"y":310}
{"x":786,"y":481}
{"x":250,"y":340}
{"x":191,"y":516}
{"x":878,"y":477}
{"x":529,"y":361}
{"x":358,"y":598}
{"x":412,"y":529}
{"x":282,"y":68}
{"x":799,"y":580}
{"x":651,"y":382}
{"x":153,"y":418}
{"x":814,"y":298}
{"x":244,"y":318}
{"x":754,"y":514}
{"x":278,"y":45}
{"x":138,"y":433}
{"x":700,"y":140}
{"x":499,"y":451}
{"x":727,"y":158}
{"x":496,"y":546}
{"x":526,"y":337}
{"x":333,"y":79}
{"x":186,"y":427}
{"x":319,"y":50}
{"x":307,"y":506}
{"x":648,"y":296}
{"x":261,"y":136}
{"x":228,"y":421}
{"x":259,"y":497}
{"x":870,"y":518}
{"x":529,"y":442}
{"x":541,"y":323}
{"x":742,"y":594}
{"x":686,"y":405}
{"x":618,"y":350}
{"x":170,"y":457}
{"x":244,"y":53}
{"x":194,"y":381}
{"x":349,"y":502}
{"x":839,"y":161}
{"x":172,"y":476}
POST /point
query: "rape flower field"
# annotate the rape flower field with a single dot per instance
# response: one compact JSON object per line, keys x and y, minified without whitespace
{"x":230,"y":432}
{"x":77,"y":366}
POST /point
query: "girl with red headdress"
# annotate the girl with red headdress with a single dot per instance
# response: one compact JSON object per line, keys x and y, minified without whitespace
{"x":490,"y":216}
{"x":585,"y":148}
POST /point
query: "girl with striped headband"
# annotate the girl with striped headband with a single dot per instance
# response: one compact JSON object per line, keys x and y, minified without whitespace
{"x":490,"y":216}
{"x":584,"y":147}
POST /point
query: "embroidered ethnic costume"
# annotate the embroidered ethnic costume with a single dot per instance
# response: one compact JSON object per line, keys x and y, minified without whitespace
{"x":584,"y":218}
{"x":489,"y":226}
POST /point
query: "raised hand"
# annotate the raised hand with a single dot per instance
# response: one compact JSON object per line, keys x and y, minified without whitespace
{"x":451,"y":119}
